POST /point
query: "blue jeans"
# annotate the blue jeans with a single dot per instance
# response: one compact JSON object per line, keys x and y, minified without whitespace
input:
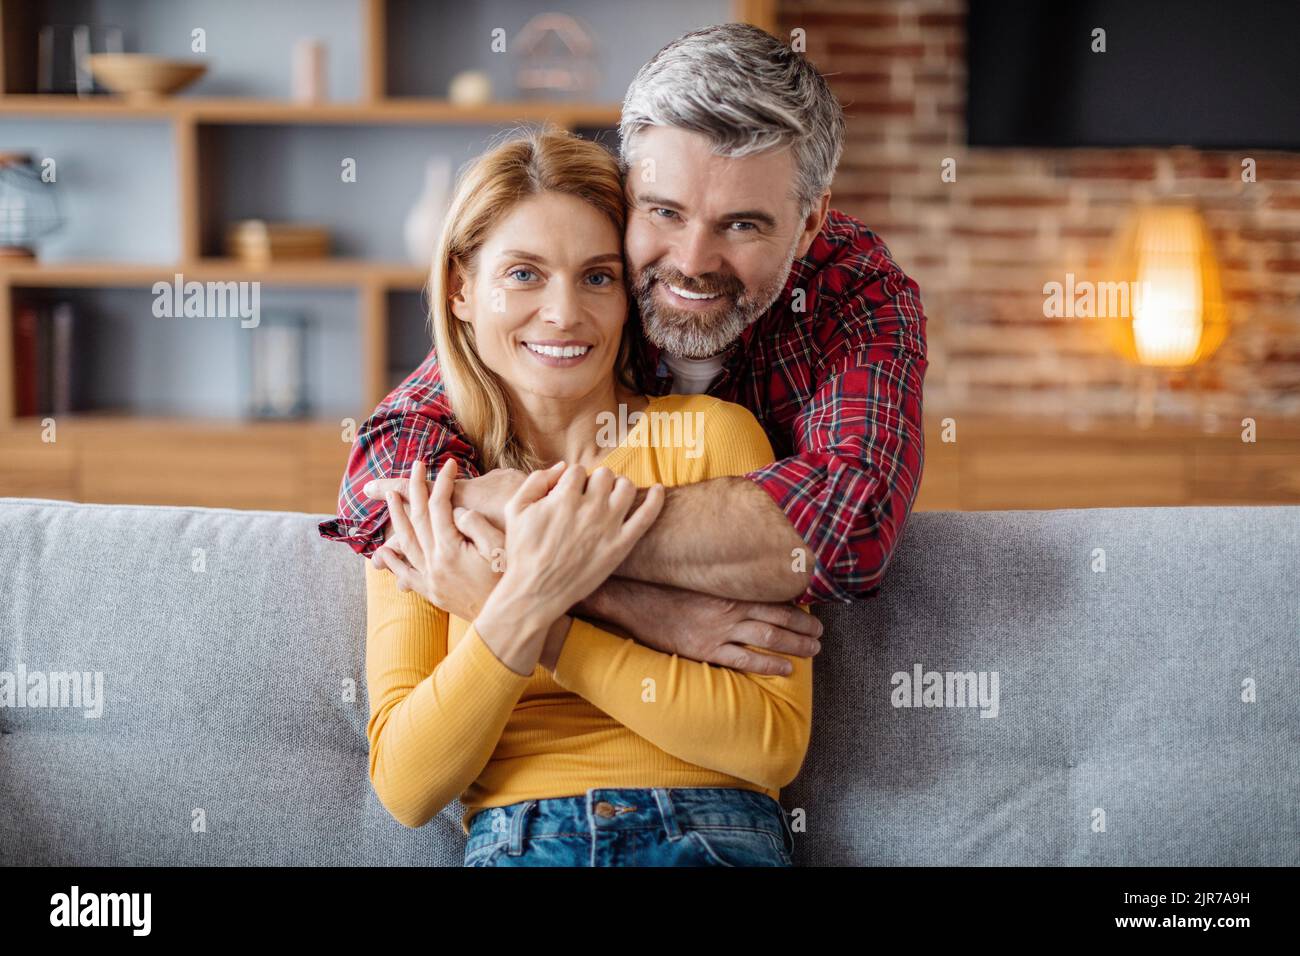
{"x":625,"y":826}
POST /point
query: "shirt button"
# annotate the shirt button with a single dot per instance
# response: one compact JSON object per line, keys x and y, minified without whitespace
{"x":604,"y":809}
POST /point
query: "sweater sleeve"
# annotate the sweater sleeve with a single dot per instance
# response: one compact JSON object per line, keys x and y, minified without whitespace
{"x":435,"y":718}
{"x":752,"y":726}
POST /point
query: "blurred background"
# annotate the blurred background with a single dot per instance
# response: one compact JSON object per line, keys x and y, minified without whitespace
{"x":1101,"y":208}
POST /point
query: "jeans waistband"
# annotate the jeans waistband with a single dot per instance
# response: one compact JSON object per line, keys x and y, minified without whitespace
{"x":629,"y":808}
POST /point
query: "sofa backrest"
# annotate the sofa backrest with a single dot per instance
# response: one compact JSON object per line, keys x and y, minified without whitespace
{"x":1140,"y":671}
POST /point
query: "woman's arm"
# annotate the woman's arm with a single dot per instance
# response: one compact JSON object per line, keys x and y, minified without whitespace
{"x":435,"y":718}
{"x":752,"y":726}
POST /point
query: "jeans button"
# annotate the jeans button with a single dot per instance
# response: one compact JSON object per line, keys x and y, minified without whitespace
{"x":604,"y":809}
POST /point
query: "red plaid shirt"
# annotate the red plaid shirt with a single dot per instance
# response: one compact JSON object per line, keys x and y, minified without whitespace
{"x":836,"y":384}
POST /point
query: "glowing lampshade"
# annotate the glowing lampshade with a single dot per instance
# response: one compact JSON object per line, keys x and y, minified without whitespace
{"x":1176,"y":314}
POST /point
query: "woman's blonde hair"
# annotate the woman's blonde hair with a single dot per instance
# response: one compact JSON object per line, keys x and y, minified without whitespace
{"x":490,"y":186}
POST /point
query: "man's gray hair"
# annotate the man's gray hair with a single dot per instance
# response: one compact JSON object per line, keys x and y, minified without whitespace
{"x":747,"y":92}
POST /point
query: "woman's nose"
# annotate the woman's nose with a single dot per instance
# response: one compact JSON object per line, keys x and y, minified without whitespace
{"x":560,"y":307}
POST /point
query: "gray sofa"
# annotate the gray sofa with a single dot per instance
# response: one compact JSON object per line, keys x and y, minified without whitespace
{"x":227,"y":641}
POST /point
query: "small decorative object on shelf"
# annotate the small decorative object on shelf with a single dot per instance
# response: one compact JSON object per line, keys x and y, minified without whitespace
{"x":556,"y":57}
{"x":138,"y":76}
{"x":309,"y":81}
{"x":424,"y":222}
{"x":259,"y":242}
{"x":277,"y":366}
{"x":63,"y":54}
{"x":470,"y":88}
{"x":29,"y":207}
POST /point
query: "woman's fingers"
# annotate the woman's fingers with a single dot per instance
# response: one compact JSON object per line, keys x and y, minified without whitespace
{"x":601,"y":482}
{"x":486,"y":537}
{"x":572,"y":480}
{"x":645,"y":514}
{"x":535,"y":487}
{"x":403,"y":533}
{"x":444,"y":527}
{"x":418,"y":496}
{"x":621,"y":495}
{"x":402,"y":571}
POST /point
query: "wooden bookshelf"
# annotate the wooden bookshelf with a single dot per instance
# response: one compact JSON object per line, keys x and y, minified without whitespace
{"x":391,"y":112}
{"x":164,"y":460}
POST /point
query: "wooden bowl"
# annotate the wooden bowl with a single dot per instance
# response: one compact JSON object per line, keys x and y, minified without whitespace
{"x":140,"y":76}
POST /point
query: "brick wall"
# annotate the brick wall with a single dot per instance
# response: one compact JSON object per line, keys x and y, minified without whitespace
{"x":982,"y":247}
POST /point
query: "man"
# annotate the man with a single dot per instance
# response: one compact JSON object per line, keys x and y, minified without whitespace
{"x":752,"y":289}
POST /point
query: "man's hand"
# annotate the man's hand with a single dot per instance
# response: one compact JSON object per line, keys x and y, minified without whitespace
{"x":486,"y":494}
{"x":706,"y":628}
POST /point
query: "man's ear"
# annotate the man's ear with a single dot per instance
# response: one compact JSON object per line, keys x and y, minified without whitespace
{"x":459,"y":292}
{"x":813,"y":223}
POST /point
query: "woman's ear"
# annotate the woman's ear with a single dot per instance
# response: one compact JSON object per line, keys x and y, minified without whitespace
{"x":459,"y":296}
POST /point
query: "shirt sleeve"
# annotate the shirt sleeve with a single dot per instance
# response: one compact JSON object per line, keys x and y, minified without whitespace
{"x":859,"y":444}
{"x":435,"y":718}
{"x":388,"y":446}
{"x":752,"y":726}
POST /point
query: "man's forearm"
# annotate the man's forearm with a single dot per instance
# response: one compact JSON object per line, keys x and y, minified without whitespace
{"x":725,"y":537}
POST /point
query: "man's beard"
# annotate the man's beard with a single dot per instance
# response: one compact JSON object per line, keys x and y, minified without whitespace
{"x":702,"y":334}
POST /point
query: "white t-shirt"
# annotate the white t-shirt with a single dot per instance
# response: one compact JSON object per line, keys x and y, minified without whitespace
{"x":692,"y":376}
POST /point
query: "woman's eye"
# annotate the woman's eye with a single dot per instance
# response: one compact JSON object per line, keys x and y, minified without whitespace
{"x":600,"y":279}
{"x":521,"y":275}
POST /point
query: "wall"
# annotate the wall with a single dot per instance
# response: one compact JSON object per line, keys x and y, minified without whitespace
{"x":982,"y":247}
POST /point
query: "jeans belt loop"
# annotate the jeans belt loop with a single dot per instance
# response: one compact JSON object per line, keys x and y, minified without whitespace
{"x":664,"y":799}
{"x":517,"y":823}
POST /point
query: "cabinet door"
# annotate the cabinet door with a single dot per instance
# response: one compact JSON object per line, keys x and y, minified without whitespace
{"x":32,"y":468}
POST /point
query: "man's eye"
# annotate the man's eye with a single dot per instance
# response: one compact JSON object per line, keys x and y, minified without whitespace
{"x":521,"y":275}
{"x":663,"y":213}
{"x":743,"y":226}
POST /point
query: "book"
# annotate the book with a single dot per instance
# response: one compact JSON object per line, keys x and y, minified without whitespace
{"x":63,"y":321}
{"x":26,"y":361}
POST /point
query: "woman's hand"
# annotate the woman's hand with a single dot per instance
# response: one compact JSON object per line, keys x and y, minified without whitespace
{"x":452,"y":558}
{"x":567,"y":532}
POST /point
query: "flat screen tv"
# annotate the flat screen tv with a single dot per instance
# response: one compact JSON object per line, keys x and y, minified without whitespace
{"x":1202,"y":73}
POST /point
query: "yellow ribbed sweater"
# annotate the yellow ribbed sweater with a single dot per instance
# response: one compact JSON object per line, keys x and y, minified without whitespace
{"x":448,"y":719}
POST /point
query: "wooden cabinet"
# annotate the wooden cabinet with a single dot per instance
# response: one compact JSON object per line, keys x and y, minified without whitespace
{"x":1004,"y":464}
{"x":275,"y":466}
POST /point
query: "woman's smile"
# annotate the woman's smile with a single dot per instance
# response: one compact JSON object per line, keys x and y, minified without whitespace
{"x":558,"y":353}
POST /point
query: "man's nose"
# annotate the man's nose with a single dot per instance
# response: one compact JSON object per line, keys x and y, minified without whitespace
{"x":696,"y":252}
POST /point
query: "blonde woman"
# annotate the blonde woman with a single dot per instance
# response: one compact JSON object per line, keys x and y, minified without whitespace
{"x":567,"y":744}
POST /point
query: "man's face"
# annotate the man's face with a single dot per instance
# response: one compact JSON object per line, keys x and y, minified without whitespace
{"x":710,"y":240}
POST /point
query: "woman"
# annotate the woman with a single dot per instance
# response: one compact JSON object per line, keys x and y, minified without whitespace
{"x":568,"y":745}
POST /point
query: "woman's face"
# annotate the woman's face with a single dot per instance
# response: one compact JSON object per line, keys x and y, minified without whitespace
{"x":547,"y":298}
